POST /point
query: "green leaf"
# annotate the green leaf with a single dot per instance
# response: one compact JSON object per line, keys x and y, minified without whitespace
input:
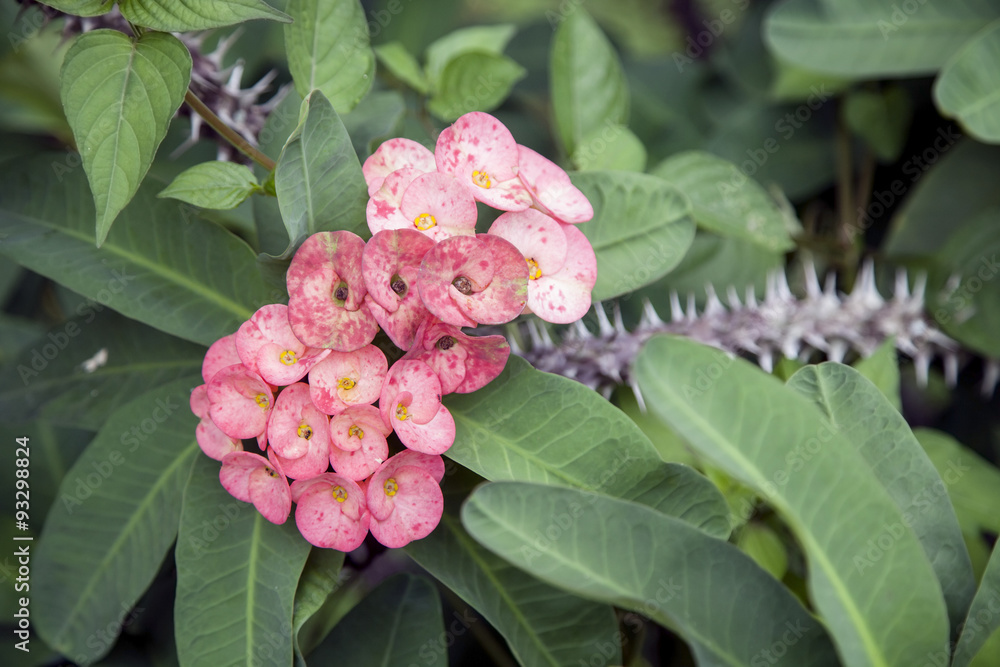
{"x":641,"y":229}
{"x":236,"y":576}
{"x":490,"y":39}
{"x":114,"y":521}
{"x":630,"y":556}
{"x":589,"y":90}
{"x":983,"y":619}
{"x":272,"y":237}
{"x":724,"y":200}
{"x":402,"y":65}
{"x":217,"y":185}
{"x":60,"y":378}
{"x":542,"y":625}
{"x":868,"y":575}
{"x":611,"y":147}
{"x":968,"y":86}
{"x":533,"y":426}
{"x":858,"y":411}
{"x":882,"y":370}
{"x":119,"y":95}
{"x":765,"y":547}
{"x":375,"y":119}
{"x":174,"y":16}
{"x":880,"y":118}
{"x":878,"y":38}
{"x":474,"y":81}
{"x":318,"y":178}
{"x":321,"y":576}
{"x":81,"y":7}
{"x":328,"y":49}
{"x":396,"y":621}
{"x":161,"y":264}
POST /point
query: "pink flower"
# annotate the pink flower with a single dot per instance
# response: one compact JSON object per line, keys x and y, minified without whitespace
{"x":383,"y":209}
{"x":267,"y":346}
{"x":434,"y":204}
{"x":220,"y":354}
{"x":331,"y":512}
{"x":210,"y":438}
{"x":348,"y":378}
{"x":562,"y":267}
{"x":358,"y":438}
{"x":253,"y":479}
{"x":405,"y":500}
{"x":296,"y":425}
{"x":240,"y":402}
{"x":482,"y":154}
{"x":462,"y":363}
{"x":551,"y":189}
{"x":410,"y":404}
{"x":390,"y":264}
{"x":467,"y":280}
{"x":392,"y":155}
{"x":326,"y":304}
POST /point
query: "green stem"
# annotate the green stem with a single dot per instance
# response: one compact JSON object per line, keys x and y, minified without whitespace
{"x":228,"y":133}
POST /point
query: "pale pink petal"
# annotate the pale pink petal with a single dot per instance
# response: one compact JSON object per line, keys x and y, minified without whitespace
{"x":240,"y":402}
{"x":410,"y":503}
{"x":433,"y":437}
{"x":430,"y":463}
{"x":539,"y":238}
{"x":459,"y":263}
{"x":295,"y":422}
{"x":254,"y":479}
{"x":438,"y":206}
{"x":199,"y":400}
{"x":392,"y":155}
{"x":315,"y":461}
{"x":358,"y":442}
{"x":401,"y":325}
{"x":412,"y":391}
{"x":463,"y":363}
{"x":220,"y":354}
{"x":213,"y":442}
{"x":564,"y":296}
{"x":320,"y":318}
{"x":272,"y":350}
{"x":331,"y":512}
{"x":382,"y":211}
{"x":390,"y":264}
{"x":339,"y":251}
{"x":348,"y":378}
{"x":551,"y":188}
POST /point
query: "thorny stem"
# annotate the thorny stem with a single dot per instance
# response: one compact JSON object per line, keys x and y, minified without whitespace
{"x":228,"y":133}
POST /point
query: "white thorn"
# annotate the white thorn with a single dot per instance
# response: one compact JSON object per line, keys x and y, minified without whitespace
{"x":712,"y":304}
{"x":733,"y":297}
{"x":650,"y":315}
{"x":838,"y":349}
{"x":638,"y":396}
{"x":536,"y":338}
{"x":692,"y":311}
{"x":581,"y":330}
{"x":812,"y":279}
{"x":676,"y":312}
{"x":751,"y":298}
{"x":765,"y":359}
{"x":901,"y":291}
{"x":771,"y":287}
{"x":784,"y":291}
{"x":950,"y":369}
{"x":830,"y":285}
{"x":616,"y":312}
{"x":991,"y":375}
{"x":606,"y":393}
{"x":546,"y":338}
{"x":602,"y":320}
{"x":866,"y":281}
{"x":920,"y":288}
{"x":921,"y":364}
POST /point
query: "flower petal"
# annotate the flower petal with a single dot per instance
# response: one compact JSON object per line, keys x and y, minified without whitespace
{"x":565,"y":296}
{"x":551,"y":188}
{"x":438,"y":206}
{"x":331,"y":512}
{"x":392,"y":155}
{"x":411,"y":512}
{"x":348,"y":378}
{"x":220,"y":354}
{"x":240,"y":402}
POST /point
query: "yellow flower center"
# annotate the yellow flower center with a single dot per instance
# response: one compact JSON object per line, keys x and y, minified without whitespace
{"x":270,"y":471}
{"x":481,"y":178}
{"x":355,"y":432}
{"x":424,"y":221}
{"x":305,"y":431}
{"x":346,"y":383}
{"x":339,"y":493}
{"x":391,"y":487}
{"x":262,"y":400}
{"x":401,"y":413}
{"x":287,"y":357}
{"x":534,"y":273}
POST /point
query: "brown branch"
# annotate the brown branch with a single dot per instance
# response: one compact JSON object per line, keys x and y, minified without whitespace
{"x":228,"y":133}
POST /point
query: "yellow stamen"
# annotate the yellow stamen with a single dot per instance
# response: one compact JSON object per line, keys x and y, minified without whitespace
{"x":262,"y":400}
{"x":339,"y":493}
{"x":346,"y":383}
{"x":481,"y":178}
{"x":288,"y":357}
{"x":401,"y":413}
{"x":391,"y":487}
{"x":534,"y":273}
{"x":305,"y":431}
{"x":424,"y":221}
{"x":355,"y":431}
{"x":270,"y":472}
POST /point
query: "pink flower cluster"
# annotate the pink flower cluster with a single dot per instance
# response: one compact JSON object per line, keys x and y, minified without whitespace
{"x":303,"y":379}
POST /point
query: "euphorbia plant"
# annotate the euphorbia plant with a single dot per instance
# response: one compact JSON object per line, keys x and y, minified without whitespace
{"x":301,"y":403}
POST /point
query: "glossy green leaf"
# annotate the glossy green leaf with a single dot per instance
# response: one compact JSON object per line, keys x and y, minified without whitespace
{"x":175,"y":16}
{"x":321,"y":577}
{"x":119,"y":95}
{"x":588,"y":85}
{"x":236,"y":576}
{"x":64,"y":377}
{"x":868,"y":575}
{"x":611,"y":147}
{"x":161,"y":264}
{"x":641,"y":229}
{"x":395,"y":623}
{"x":984,"y":615}
{"x":724,"y":200}
{"x":873,"y":38}
{"x":882,"y":370}
{"x":973,"y":483}
{"x":116,"y":517}
{"x":328,"y":49}
{"x":318,"y":178}
{"x":763,"y":545}
{"x":542,"y":625}
{"x":217,"y":185}
{"x":533,"y":426}
{"x":474,"y":81}
{"x":969,"y":86}
{"x":491,"y":39}
{"x":81,"y":7}
{"x":858,"y":411}
{"x":272,"y":237}
{"x":881,"y":118}
{"x":378,"y":117}
{"x":630,"y":556}
{"x":402,"y":65}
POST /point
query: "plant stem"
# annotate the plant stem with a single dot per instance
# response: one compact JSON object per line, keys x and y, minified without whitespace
{"x":228,"y":133}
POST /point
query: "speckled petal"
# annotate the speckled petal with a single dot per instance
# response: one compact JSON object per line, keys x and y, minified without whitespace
{"x":220,"y":354}
{"x":564,"y":296}
{"x":551,"y":188}
{"x":390,"y":256}
{"x":319,"y":320}
{"x":383,"y":212}
{"x":239,"y":402}
{"x":411,"y":513}
{"x":443,"y":197}
{"x":327,"y":522}
{"x":365,"y":368}
{"x":392,"y":155}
